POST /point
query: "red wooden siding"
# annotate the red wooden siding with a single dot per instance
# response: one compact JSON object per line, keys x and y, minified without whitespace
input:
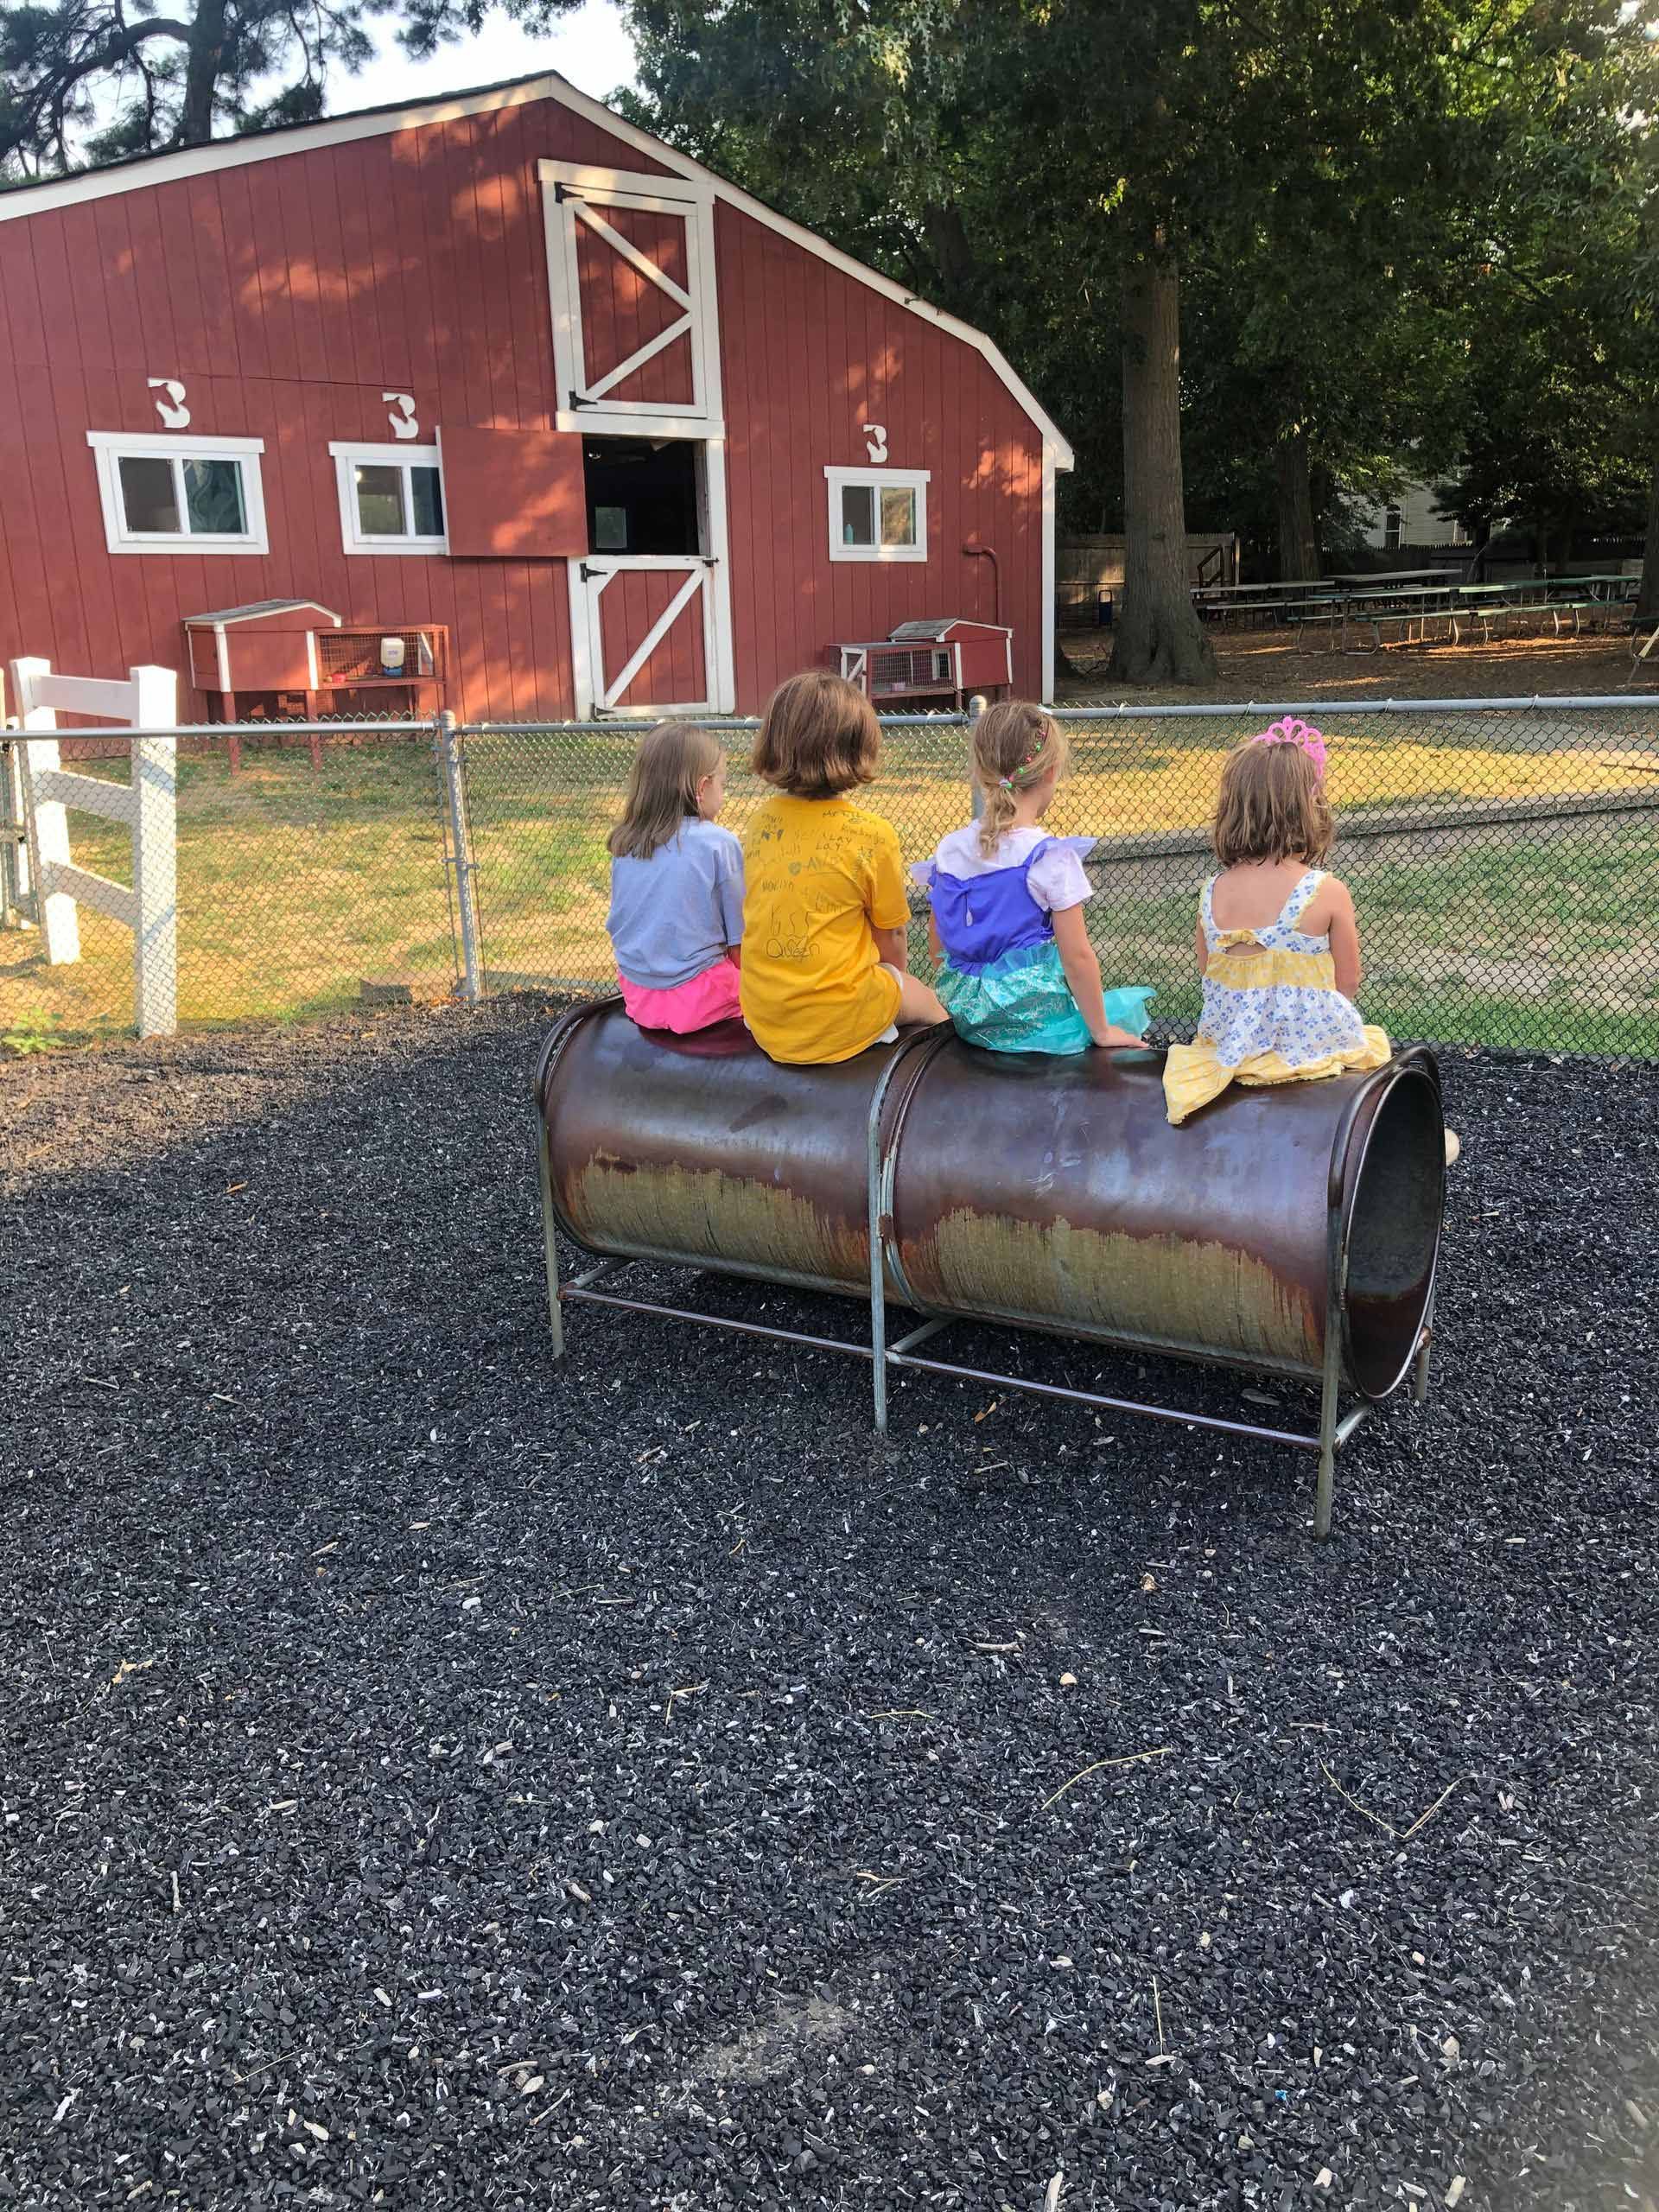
{"x":809,"y":355}
{"x":290,"y":294}
{"x":287,"y":296}
{"x":514,"y":492}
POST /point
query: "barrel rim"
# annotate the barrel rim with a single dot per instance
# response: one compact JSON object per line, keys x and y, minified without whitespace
{"x":1347,"y":1175}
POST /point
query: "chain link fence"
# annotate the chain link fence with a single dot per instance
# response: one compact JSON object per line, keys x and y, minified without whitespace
{"x":1503,"y":856}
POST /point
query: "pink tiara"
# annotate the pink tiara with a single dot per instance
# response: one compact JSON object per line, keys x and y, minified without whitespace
{"x":1289,"y":731}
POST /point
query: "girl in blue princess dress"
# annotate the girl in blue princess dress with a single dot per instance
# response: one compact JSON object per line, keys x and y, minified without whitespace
{"x":1017,"y":972}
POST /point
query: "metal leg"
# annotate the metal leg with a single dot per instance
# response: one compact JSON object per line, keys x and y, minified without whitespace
{"x":554,"y":1315}
{"x":878,"y":1271}
{"x":1322,"y":1496}
{"x":1420,"y":1372}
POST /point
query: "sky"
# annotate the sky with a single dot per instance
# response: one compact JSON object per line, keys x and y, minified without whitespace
{"x":590,"y":47}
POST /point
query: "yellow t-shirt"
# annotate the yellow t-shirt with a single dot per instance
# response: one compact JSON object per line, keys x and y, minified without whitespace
{"x":819,"y":875}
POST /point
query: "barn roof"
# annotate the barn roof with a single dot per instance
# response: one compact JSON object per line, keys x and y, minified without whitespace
{"x":138,"y":171}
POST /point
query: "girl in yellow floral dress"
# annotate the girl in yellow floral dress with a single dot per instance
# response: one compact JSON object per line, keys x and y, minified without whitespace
{"x":1277,"y":942}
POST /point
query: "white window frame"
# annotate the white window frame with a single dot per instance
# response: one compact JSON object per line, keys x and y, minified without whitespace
{"x":111,"y":447}
{"x":878,"y":480}
{"x":347,"y":455}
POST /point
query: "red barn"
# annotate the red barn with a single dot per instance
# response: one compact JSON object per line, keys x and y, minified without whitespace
{"x":500,"y":362}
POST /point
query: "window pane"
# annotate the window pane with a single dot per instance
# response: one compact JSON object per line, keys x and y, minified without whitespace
{"x":380,"y":501}
{"x":857,"y":515}
{"x":213,"y":494}
{"x":610,"y":529}
{"x":148,"y":498}
{"x":898,"y":516}
{"x":426,"y":496}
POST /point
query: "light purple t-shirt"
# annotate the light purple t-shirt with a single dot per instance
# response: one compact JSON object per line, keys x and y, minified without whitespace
{"x":673,"y":916}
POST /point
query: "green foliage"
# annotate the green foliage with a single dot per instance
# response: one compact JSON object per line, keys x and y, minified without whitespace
{"x":1334,"y":178}
{"x":32,"y":1031}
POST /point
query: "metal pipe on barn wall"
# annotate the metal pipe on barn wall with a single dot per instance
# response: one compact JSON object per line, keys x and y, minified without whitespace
{"x":976,"y":551}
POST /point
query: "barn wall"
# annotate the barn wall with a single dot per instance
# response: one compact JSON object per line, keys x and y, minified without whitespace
{"x":808,"y":356}
{"x":287,"y":296}
{"x":290,"y":293}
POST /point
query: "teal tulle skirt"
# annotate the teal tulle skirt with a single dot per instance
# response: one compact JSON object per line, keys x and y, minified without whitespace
{"x":1022,"y":1003}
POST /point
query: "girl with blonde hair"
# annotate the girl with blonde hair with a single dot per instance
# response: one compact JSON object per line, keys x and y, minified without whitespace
{"x":1017,"y":972}
{"x":676,"y":922}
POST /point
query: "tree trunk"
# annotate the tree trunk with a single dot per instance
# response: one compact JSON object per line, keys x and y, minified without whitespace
{"x":1293,"y":493}
{"x":201,"y":73}
{"x":1647,"y":598}
{"x":1158,"y":637}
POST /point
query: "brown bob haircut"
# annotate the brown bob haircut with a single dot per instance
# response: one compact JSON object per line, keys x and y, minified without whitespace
{"x":1272,"y":806}
{"x":818,"y":737}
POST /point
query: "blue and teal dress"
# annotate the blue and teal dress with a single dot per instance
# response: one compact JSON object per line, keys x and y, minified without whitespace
{"x":1002,"y":980}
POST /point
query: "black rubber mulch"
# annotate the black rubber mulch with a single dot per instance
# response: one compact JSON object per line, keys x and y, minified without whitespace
{"x":432,"y":1779}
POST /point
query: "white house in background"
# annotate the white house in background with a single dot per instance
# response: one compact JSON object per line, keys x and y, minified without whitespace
{"x":1412,"y":520}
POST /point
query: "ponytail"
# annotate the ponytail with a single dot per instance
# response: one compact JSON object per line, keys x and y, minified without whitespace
{"x":1015,"y":745}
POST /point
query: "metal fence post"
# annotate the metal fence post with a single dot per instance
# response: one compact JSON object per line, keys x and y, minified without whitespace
{"x":16,"y":895}
{"x":460,"y":856}
{"x":976,"y":797}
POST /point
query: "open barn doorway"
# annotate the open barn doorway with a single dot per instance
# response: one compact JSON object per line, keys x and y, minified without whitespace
{"x":647,"y":609}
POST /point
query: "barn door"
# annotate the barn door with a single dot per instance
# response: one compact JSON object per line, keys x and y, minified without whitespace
{"x":631,"y":273}
{"x":652,"y":636}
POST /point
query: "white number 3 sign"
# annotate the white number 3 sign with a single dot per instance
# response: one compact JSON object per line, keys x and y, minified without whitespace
{"x":172,"y":409}
{"x":875,"y":440}
{"x":401,"y":418}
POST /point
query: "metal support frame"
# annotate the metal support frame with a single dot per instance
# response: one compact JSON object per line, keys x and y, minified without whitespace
{"x":460,"y":853}
{"x":594,"y":1286}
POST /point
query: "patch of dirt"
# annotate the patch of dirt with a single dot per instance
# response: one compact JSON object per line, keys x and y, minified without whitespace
{"x":1272,"y":666}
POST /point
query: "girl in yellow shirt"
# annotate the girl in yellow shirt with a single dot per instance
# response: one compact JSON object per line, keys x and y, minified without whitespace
{"x":824,"y":905}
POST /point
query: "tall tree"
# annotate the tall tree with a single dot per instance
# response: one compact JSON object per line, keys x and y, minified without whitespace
{"x":93,"y":80}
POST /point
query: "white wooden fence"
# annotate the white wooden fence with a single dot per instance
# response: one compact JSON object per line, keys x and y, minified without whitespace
{"x":147,"y":806}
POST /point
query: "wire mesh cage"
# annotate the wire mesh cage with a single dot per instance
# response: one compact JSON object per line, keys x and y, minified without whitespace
{"x":368,"y":657}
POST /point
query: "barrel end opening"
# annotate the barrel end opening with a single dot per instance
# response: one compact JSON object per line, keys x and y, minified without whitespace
{"x":1393,"y":1239}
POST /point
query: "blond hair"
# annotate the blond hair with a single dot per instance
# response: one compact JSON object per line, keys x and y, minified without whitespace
{"x":818,"y":737}
{"x":1271,"y":806}
{"x":1015,"y":745}
{"x":671,"y":760}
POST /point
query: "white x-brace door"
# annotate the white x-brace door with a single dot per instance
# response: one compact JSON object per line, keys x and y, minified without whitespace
{"x":653,"y":643}
{"x":636,"y":350}
{"x":631,"y":272}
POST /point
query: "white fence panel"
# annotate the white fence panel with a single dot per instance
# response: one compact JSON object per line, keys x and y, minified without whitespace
{"x":147,"y":808}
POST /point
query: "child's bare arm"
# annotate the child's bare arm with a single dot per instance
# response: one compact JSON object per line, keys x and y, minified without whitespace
{"x":1201,"y":946}
{"x":891,"y":947}
{"x":1081,"y":967}
{"x":1344,"y":938}
{"x":934,"y":946}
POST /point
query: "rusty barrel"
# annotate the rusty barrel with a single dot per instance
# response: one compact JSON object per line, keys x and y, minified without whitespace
{"x":1049,"y":1193}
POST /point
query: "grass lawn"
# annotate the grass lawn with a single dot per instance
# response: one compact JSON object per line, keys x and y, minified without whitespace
{"x":294,"y":884}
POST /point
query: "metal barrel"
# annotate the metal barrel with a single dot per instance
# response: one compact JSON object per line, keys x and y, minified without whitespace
{"x":1048,"y":1193}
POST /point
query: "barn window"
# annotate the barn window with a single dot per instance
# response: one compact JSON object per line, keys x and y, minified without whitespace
{"x":878,"y":514}
{"x":1392,"y":521}
{"x":391,"y":498}
{"x":177,"y":495}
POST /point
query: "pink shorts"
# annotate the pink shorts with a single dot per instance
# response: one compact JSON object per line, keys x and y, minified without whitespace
{"x":707,"y":999}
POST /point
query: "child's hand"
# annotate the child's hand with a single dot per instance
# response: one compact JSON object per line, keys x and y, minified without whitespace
{"x":1112,"y":1035}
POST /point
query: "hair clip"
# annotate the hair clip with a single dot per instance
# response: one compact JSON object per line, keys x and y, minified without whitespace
{"x":1008,"y":782}
{"x":1288,"y":730}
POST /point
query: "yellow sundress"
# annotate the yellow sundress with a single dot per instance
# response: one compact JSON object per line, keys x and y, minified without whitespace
{"x":1272,"y":1014}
